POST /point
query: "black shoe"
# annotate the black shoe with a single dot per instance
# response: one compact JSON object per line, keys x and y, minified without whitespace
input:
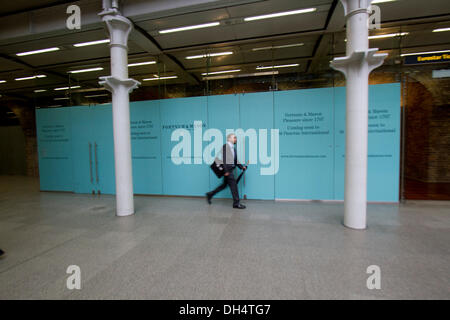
{"x":208,"y":198}
{"x":2,"y":252}
{"x":239,"y":206}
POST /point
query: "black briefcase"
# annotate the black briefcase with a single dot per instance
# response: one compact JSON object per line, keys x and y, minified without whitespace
{"x":217,"y":169}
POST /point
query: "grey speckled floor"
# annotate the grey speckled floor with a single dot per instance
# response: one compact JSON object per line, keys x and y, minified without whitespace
{"x":182,"y":248}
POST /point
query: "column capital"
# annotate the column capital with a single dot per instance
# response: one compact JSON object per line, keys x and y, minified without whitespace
{"x":375,"y":59}
{"x":119,"y":28}
{"x":371,"y":57}
{"x":112,"y":83}
{"x":354,"y":6}
{"x":343,"y":63}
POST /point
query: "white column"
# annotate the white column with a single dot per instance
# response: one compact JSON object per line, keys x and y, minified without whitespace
{"x":120,"y":86}
{"x":357,"y":65}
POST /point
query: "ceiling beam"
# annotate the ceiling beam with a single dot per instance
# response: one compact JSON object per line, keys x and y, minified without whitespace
{"x":142,"y":39}
{"x":31,"y":68}
{"x":335,"y":22}
{"x":51,"y":20}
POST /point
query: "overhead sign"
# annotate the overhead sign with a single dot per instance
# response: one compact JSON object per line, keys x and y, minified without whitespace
{"x":428,"y":58}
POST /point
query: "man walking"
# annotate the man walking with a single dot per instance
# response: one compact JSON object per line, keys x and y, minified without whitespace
{"x":229,"y":162}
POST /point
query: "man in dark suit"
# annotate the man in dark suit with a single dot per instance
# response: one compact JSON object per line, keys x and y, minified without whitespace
{"x":229,"y":162}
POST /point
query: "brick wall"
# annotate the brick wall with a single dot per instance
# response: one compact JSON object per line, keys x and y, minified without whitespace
{"x":427,"y":136}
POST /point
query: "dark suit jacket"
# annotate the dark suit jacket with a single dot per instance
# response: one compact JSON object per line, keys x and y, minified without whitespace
{"x":228,"y":163}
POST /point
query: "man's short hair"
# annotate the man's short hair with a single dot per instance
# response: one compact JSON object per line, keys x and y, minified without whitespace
{"x":229,"y":136}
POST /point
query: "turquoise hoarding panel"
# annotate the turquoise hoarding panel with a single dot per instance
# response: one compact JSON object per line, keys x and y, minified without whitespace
{"x":339,"y":142}
{"x":223,"y":114}
{"x":82,"y":150}
{"x":93,"y":149}
{"x":383,"y":146}
{"x":103,"y":141}
{"x":186,"y":178}
{"x":305,"y":121}
{"x":146,"y":146}
{"x":256,"y":112}
{"x":76,"y":150}
{"x":54,"y":140}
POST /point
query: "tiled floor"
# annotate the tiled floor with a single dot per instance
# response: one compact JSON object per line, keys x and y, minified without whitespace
{"x":182,"y":248}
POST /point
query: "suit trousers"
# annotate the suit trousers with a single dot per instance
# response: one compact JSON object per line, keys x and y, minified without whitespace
{"x":231,"y":182}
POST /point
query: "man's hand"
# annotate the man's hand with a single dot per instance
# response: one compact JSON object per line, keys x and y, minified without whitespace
{"x":244,"y":168}
{"x":226,"y":174}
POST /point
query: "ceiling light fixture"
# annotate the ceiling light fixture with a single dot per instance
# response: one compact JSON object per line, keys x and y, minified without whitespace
{"x":280,"y":14}
{"x":39,"y":90}
{"x":220,"y":72}
{"x":441,"y":30}
{"x":31,"y":77}
{"x":418,"y":53}
{"x":217,"y":54}
{"x":279,"y":66}
{"x":382,"y":1}
{"x":197,"y":26}
{"x":160,"y":78}
{"x":91,"y":43}
{"x":97,"y":95}
{"x":86,"y":70}
{"x":229,"y":76}
{"x":279,"y":47}
{"x":65,"y":98}
{"x":67,"y":88}
{"x":390,"y":35}
{"x":27,"y":53}
{"x":141,"y":63}
{"x":2,"y":81}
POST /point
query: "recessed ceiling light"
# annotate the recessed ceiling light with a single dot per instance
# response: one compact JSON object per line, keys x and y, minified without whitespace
{"x":389,"y":35}
{"x":419,"y":53}
{"x":197,"y":26}
{"x":91,"y":43}
{"x":279,"y":66}
{"x":279,"y":47}
{"x":441,"y":30}
{"x":160,"y":78}
{"x":141,"y":63}
{"x":37,"y":51}
{"x":382,"y":1}
{"x":86,"y":70}
{"x":220,"y":72}
{"x":31,"y":77}
{"x":67,"y":88}
{"x":97,"y":95}
{"x":229,"y":76}
{"x":217,"y":54}
{"x":280,"y":14}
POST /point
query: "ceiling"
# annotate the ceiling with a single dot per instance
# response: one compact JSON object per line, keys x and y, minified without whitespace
{"x":312,"y":39}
